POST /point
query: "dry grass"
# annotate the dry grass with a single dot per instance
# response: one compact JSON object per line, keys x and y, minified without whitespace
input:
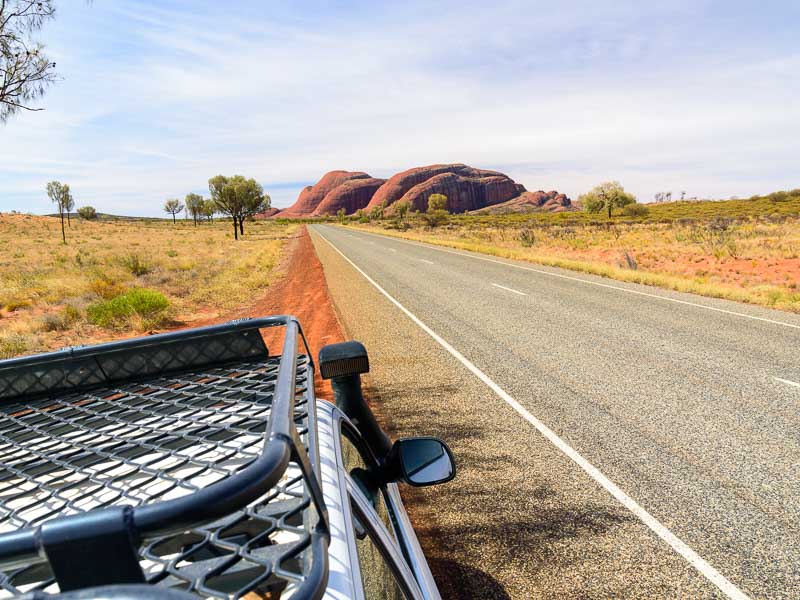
{"x":751,"y":260}
{"x":47,"y":288}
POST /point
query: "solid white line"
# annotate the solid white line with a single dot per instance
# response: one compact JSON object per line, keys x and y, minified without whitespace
{"x":787,"y":382}
{"x":430,"y":262}
{"x":502,"y":287}
{"x":699,"y":563}
{"x":586,"y":281}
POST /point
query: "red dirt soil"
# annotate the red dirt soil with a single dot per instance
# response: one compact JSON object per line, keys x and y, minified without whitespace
{"x":300,"y":290}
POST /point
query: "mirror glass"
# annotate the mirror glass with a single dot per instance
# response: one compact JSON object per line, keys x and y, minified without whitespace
{"x":425,"y":461}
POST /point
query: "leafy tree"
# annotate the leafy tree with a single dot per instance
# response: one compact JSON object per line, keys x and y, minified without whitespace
{"x":173,"y":206}
{"x":378,"y":211}
{"x":437,"y":212}
{"x":237,"y":197}
{"x":209,"y":208}
{"x":69,"y":204}
{"x":195,"y":205}
{"x":255,"y":202}
{"x":606,"y":196}
{"x":87,"y":213}
{"x":402,"y":207}
{"x":25,"y":71}
{"x":342,"y":215}
{"x":437,"y":202}
{"x":60,"y":195}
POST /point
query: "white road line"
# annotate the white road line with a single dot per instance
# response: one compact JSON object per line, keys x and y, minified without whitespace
{"x":586,"y":281}
{"x":393,"y":250}
{"x":508,"y":289}
{"x":698,"y":562}
{"x":430,"y":262}
{"x":787,"y":382}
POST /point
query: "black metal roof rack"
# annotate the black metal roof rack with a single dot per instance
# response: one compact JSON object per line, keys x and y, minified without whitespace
{"x":185,"y":460}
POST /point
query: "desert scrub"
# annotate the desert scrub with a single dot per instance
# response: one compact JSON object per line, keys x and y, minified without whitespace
{"x":208,"y":275}
{"x":13,"y":344}
{"x":138,"y":308}
{"x":135,"y":264}
{"x":748,"y":260}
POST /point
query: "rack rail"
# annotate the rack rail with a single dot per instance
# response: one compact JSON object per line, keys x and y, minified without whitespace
{"x":186,"y":460}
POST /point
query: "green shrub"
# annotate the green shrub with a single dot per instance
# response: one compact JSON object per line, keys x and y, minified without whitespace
{"x":527,"y":238}
{"x":635,"y":210}
{"x":135,"y":264}
{"x":138,"y":307}
{"x":434,"y":218}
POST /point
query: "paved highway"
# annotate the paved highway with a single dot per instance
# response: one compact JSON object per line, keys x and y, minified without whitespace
{"x":614,"y":439}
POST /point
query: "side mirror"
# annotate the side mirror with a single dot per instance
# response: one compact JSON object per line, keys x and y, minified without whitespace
{"x":423,"y":461}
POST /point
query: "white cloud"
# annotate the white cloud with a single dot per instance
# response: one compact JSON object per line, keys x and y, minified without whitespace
{"x":156,"y":100}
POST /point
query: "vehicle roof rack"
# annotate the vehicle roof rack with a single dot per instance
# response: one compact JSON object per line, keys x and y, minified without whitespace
{"x":185,"y":460}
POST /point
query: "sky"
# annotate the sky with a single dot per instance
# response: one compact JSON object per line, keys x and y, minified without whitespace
{"x":157,"y":97}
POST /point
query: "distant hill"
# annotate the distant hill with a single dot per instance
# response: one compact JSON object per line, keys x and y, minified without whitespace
{"x":529,"y":202}
{"x":466,"y":188}
{"x":109,"y":217}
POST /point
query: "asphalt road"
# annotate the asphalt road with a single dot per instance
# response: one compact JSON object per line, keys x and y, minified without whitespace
{"x":613,"y":439}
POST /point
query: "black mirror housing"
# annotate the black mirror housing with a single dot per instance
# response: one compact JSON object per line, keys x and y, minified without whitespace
{"x":421,"y":461}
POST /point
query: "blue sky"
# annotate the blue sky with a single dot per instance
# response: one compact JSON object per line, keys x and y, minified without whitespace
{"x":156,"y":97}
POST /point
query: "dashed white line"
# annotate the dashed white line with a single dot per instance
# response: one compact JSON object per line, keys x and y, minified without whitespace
{"x":430,"y":262}
{"x":588,"y":282}
{"x":393,"y":250}
{"x":508,"y":289}
{"x":787,"y":382}
{"x":697,"y":561}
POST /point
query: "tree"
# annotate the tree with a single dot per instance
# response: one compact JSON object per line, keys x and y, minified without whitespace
{"x":194,"y":206}
{"x":209,"y":208}
{"x":173,"y":206}
{"x":437,"y":212}
{"x":377,"y":212}
{"x":239,"y":198}
{"x":606,"y":196}
{"x":58,"y":193}
{"x":402,"y":207}
{"x":25,"y":71}
{"x":255,"y":201}
{"x":87,"y":213}
{"x":683,"y":195}
{"x":69,"y":203}
{"x":437,"y":202}
{"x":342,"y":215}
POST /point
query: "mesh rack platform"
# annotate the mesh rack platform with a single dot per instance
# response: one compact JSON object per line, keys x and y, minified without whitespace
{"x":186,"y":460}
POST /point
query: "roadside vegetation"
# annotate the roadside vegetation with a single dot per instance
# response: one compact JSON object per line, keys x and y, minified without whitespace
{"x":743,"y":250}
{"x":117,"y":278}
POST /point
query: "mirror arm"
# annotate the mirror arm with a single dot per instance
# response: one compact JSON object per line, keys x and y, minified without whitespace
{"x":349,"y":399}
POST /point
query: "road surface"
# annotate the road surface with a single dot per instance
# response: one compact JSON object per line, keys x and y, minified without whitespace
{"x":613,"y":439}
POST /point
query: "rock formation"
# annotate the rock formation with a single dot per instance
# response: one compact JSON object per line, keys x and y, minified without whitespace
{"x":466,"y":188}
{"x":350,"y":195}
{"x":540,"y":201}
{"x":312,"y":196}
{"x":270,"y":212}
